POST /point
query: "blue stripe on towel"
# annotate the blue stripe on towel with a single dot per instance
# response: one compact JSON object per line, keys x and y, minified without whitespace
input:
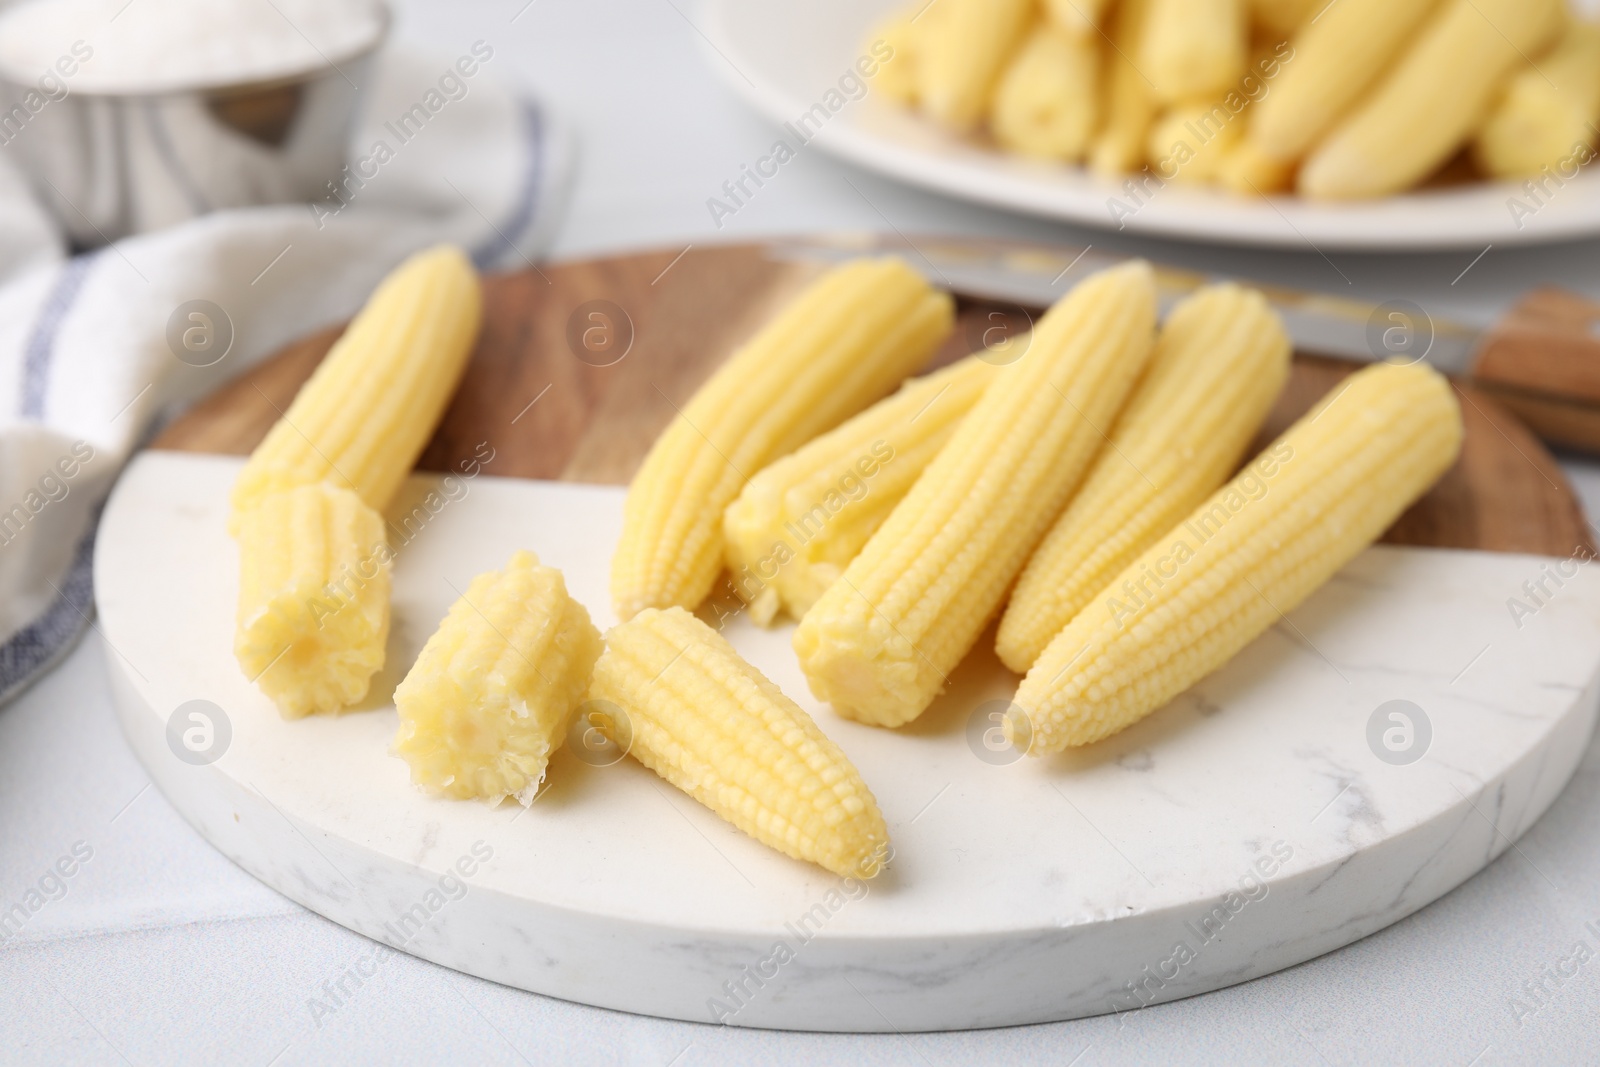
{"x":44,"y":640}
{"x":526,"y":205}
{"x":41,"y":346}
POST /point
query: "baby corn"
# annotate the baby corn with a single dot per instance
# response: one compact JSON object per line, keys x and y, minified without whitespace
{"x":1046,"y":104}
{"x":1428,"y":106}
{"x":1128,"y":104}
{"x":800,"y":522}
{"x":1255,"y":550}
{"x":1192,"y":142}
{"x":1336,"y":59}
{"x":715,"y":727}
{"x":1220,"y":361}
{"x":896,"y":77}
{"x":1247,"y":170}
{"x":1548,"y":114}
{"x":962,"y":53}
{"x":493,"y":692}
{"x":1193,"y":48}
{"x":846,"y":341}
{"x":365,"y":415}
{"x":880,"y":642}
{"x":313,"y":598}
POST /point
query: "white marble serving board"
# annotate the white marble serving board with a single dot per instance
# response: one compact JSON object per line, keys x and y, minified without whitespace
{"x":1020,"y":892}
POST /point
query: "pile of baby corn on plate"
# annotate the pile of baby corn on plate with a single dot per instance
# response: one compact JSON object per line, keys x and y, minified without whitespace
{"x":1092,"y":494}
{"x":1336,"y":99}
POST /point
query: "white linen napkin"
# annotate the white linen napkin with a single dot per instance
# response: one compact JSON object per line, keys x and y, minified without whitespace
{"x":87,"y":366}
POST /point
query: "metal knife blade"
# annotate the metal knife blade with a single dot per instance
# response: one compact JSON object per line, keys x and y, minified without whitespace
{"x":1039,"y":275}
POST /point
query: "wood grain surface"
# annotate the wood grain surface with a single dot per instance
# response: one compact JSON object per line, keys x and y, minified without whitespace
{"x":1542,"y":362}
{"x":581,"y":364}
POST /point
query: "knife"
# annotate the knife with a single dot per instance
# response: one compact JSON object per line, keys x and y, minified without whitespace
{"x":1541,"y":360}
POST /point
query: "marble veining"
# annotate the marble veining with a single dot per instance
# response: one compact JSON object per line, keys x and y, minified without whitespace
{"x":1245,"y":828}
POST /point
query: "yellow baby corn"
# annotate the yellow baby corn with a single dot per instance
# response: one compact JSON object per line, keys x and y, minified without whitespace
{"x":846,"y":341}
{"x":1548,"y":114}
{"x":1127,"y":103}
{"x":1428,"y":106}
{"x":961,"y":55}
{"x":1193,"y":48}
{"x":1255,"y":550}
{"x":801,"y":521}
{"x":1219,"y":363}
{"x":1280,"y":18}
{"x":715,"y":727}
{"x":1191,"y":142}
{"x":1247,"y":170}
{"x":1081,"y":18}
{"x":880,"y":642}
{"x":1336,"y":59}
{"x":1046,"y":103}
{"x":364,"y":416}
{"x":896,"y":77}
{"x":493,"y":692}
{"x":313,"y":598}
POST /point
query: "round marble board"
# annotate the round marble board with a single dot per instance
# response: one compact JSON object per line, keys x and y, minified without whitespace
{"x":1275,"y":811}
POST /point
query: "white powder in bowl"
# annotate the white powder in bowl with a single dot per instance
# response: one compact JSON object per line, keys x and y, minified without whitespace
{"x":156,"y":46}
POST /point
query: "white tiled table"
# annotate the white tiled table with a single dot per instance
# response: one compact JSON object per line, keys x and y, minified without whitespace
{"x":162,"y":952}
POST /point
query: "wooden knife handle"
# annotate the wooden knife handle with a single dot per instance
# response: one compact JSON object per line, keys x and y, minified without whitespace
{"x":1542,"y":360}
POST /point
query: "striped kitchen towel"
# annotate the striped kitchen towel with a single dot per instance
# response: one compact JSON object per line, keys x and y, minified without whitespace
{"x":96,"y":349}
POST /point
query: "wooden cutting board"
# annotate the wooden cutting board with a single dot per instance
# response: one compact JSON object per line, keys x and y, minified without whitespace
{"x":580,"y":365}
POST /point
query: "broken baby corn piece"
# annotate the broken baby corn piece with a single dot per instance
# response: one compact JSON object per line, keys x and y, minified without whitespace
{"x":1046,"y":104}
{"x":880,"y":642}
{"x":712,"y":725}
{"x":848,"y":339}
{"x":363,"y":417}
{"x":1335,"y":60}
{"x":1128,"y":103}
{"x":1428,"y":105}
{"x":1252,"y":552}
{"x":493,"y":693}
{"x":1548,"y":113}
{"x":800,"y":522}
{"x":1220,"y":361}
{"x":313,"y":612}
{"x":961,"y":54}
{"x":1193,"y":48}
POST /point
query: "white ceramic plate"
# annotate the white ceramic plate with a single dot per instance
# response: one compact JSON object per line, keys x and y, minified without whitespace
{"x":785,"y":55}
